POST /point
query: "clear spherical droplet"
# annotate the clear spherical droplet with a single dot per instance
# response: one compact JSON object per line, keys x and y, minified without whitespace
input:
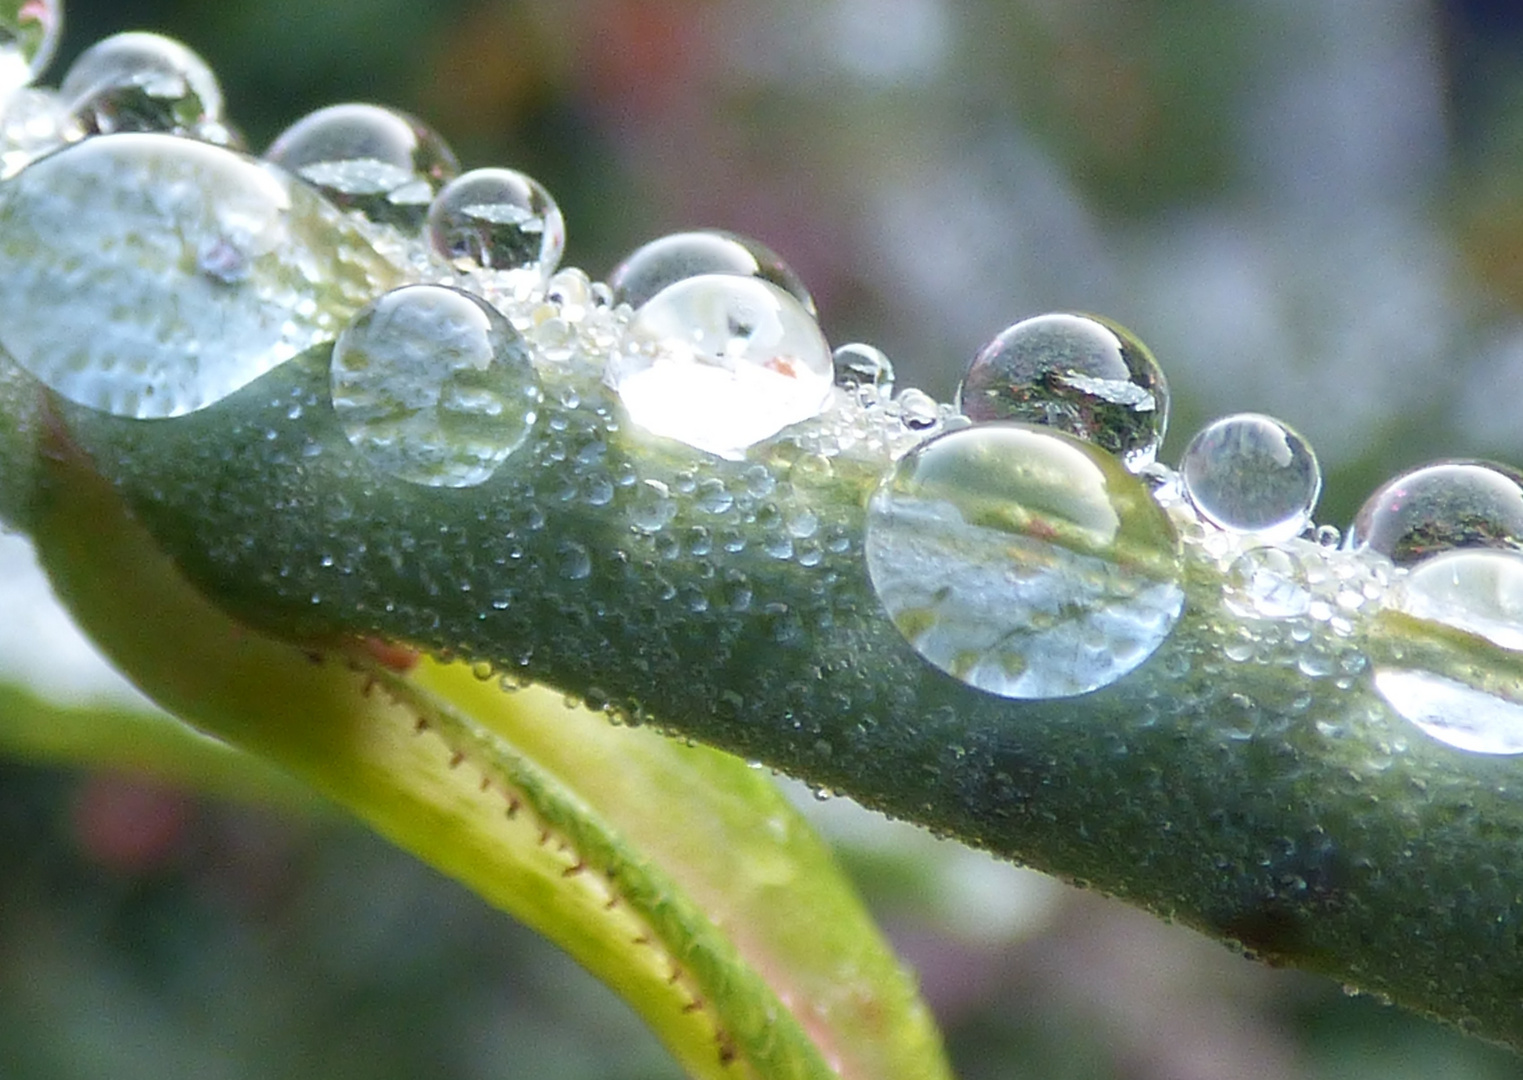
{"x":1446,"y":505}
{"x":150,"y":275}
{"x":1022,"y":561}
{"x":29,"y":33}
{"x":1251,"y":474}
{"x":144,"y":82}
{"x":722,"y":362}
{"x":434,"y":386}
{"x":858,"y":365}
{"x":497,"y":219}
{"x":380,"y":162}
{"x":670,"y":259}
{"x":1078,"y":373}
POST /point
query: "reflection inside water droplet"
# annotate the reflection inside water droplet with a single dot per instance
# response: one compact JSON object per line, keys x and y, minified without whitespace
{"x":1022,"y":561}
{"x":860,"y":366}
{"x":382,"y":163}
{"x":1446,"y":505}
{"x":1268,"y":583}
{"x":1080,"y":374}
{"x":497,"y":219}
{"x":721,"y":363}
{"x":434,"y":386}
{"x":144,"y":82}
{"x":1251,"y":474}
{"x":1453,"y":712}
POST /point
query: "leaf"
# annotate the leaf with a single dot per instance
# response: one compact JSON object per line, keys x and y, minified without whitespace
{"x":676,"y":874}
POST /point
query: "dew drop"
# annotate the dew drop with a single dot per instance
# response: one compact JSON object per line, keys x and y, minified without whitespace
{"x":1081,"y":374}
{"x":1449,"y":504}
{"x":149,"y":275}
{"x":497,"y":219}
{"x":1250,"y":473}
{"x":721,"y":363}
{"x":575,"y":561}
{"x":1268,"y":583}
{"x":1022,"y":561}
{"x":917,"y":409}
{"x":434,"y":386}
{"x":670,"y":259}
{"x":1454,"y":712}
{"x":380,"y":162}
{"x":29,"y":33}
{"x":144,"y":82}
{"x":1478,"y":591}
{"x":860,"y":366}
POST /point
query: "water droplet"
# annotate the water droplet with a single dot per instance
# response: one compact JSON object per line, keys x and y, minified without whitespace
{"x":1478,"y":590}
{"x":149,"y":275}
{"x":1449,"y":504}
{"x":497,"y":219}
{"x":653,"y":508}
{"x":1022,"y":561}
{"x":1251,"y":474}
{"x":863,"y":366}
{"x":670,"y":259}
{"x":1268,"y":583}
{"x":380,"y":162}
{"x":29,"y":33}
{"x":434,"y":386}
{"x":1453,"y":712}
{"x":144,"y":82}
{"x":917,"y":409}
{"x":721,"y":363}
{"x":1078,"y":373}
{"x":575,"y":561}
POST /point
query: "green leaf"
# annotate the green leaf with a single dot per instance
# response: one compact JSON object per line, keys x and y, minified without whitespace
{"x":677,"y":875}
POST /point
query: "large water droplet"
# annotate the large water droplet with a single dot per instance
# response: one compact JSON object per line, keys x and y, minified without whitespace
{"x":144,"y":82}
{"x":670,"y":259}
{"x":1078,"y":373}
{"x":1478,"y":591}
{"x":722,"y":362}
{"x":1023,"y":561}
{"x":1449,"y":504}
{"x":29,"y":33}
{"x":1466,"y":717}
{"x":434,"y":386}
{"x":497,"y":219}
{"x":380,"y":162}
{"x":149,"y":275}
{"x":1251,"y":474}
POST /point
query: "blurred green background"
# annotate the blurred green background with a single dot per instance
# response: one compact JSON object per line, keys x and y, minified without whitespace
{"x":1309,"y":209}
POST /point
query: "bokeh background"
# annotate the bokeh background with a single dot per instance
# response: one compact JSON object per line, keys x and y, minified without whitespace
{"x":1310,"y":209}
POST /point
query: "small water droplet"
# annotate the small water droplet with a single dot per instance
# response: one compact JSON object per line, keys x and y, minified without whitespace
{"x":1022,"y":561}
{"x":1078,"y":373}
{"x":918,"y":409}
{"x":670,"y":259}
{"x":858,"y":365}
{"x":575,"y":561}
{"x":434,"y":386}
{"x":497,"y":219}
{"x":29,"y":33}
{"x":1268,"y":583}
{"x":1446,"y":505}
{"x":721,"y":363}
{"x":111,"y":301}
{"x":713,"y":497}
{"x":1250,"y":473}
{"x":144,"y":82}
{"x":379,"y":162}
{"x":652,"y":509}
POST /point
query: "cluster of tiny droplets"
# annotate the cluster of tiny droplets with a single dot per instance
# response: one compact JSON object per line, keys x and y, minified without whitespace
{"x":1241,"y":502}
